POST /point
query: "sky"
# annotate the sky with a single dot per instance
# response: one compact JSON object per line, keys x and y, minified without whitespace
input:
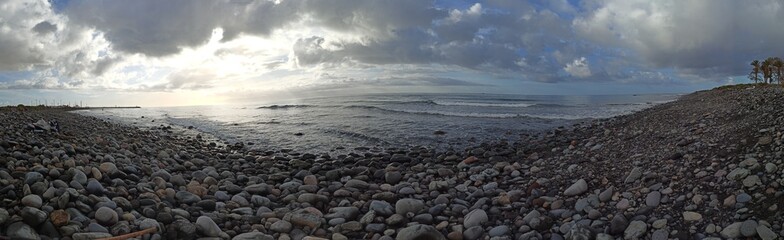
{"x":200,"y":52}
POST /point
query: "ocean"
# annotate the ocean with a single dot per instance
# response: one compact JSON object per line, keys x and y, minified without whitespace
{"x":442,"y":121}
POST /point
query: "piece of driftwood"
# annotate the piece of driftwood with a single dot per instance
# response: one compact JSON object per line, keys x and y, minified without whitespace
{"x":132,"y":235}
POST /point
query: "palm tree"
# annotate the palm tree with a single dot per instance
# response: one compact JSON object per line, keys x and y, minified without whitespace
{"x":755,"y":71}
{"x":767,"y":70}
{"x":778,"y":69}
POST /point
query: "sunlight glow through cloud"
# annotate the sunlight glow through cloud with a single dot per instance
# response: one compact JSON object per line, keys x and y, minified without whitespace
{"x":228,"y":50}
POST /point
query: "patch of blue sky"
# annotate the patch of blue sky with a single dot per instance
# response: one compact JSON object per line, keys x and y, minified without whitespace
{"x":11,"y":76}
{"x":59,"y":5}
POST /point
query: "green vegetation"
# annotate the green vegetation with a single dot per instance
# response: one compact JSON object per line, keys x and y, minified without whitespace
{"x":768,"y":71}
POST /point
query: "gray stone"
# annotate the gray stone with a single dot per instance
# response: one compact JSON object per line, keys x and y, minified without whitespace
{"x":422,"y":232}
{"x":305,"y":218}
{"x":737,"y":174}
{"x":653,"y":199}
{"x":660,"y":234}
{"x":356,"y":183}
{"x":618,"y":224}
{"x":281,"y":226}
{"x":635,"y":174}
{"x":743,"y":198}
{"x":343,"y":212}
{"x":635,"y":230}
{"x":311,"y":198}
{"x":94,"y":187}
{"x":751,"y":181}
{"x":581,"y":204}
{"x":207,"y":227}
{"x":765,"y":233}
{"x":731,"y":231}
{"x":22,"y":231}
{"x":577,"y":188}
{"x":186,"y":197}
{"x":393,"y":177}
{"x":352,"y":226}
{"x":79,"y":177}
{"x":4,"y":216}
{"x":770,"y":168}
{"x":260,"y":189}
{"x":108,"y":168}
{"x":748,"y":228}
{"x":32,"y":201}
{"x":106,"y":216}
{"x":149,"y":223}
{"x":90,"y":235}
{"x":473,"y":233}
{"x":606,"y":195}
{"x":498,"y":231}
{"x":409,"y":205}
{"x":579,"y":232}
{"x":382,"y":208}
{"x":33,"y":216}
{"x":692,"y":216}
{"x":658,"y":224}
{"x":531,"y":215}
{"x":253,"y":236}
{"x":33,"y":177}
{"x":94,"y":227}
{"x":477,"y":217}
{"x":375,"y":227}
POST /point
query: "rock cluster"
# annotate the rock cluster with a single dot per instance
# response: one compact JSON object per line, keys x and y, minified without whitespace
{"x":706,"y":166}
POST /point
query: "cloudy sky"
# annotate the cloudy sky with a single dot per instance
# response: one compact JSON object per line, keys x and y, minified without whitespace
{"x":186,"y":52}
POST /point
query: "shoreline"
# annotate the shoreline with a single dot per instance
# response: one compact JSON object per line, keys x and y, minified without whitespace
{"x":681,"y":169}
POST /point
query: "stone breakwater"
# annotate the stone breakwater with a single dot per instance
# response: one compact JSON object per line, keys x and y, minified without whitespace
{"x":707,"y":166}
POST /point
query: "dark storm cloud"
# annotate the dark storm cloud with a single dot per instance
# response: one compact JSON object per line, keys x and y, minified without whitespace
{"x":45,"y":27}
{"x":547,"y":41}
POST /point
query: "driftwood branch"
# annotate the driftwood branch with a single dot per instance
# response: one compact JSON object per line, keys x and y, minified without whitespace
{"x":132,"y":235}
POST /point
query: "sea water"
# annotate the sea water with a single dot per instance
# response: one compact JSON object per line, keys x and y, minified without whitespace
{"x":384,"y":120}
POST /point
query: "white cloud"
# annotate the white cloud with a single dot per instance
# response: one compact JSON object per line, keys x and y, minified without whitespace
{"x":578,"y":68}
{"x":704,"y":37}
{"x":226,"y":45}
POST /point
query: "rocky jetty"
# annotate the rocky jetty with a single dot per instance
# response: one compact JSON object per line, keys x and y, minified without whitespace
{"x":707,"y":166}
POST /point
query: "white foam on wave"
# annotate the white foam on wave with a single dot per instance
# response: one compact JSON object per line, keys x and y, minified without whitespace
{"x":482,"y":104}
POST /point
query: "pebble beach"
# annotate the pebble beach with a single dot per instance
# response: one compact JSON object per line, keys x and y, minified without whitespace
{"x":707,"y":166}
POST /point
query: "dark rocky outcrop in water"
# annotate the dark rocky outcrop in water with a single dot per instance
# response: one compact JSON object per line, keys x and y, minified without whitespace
{"x":705,"y":166}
